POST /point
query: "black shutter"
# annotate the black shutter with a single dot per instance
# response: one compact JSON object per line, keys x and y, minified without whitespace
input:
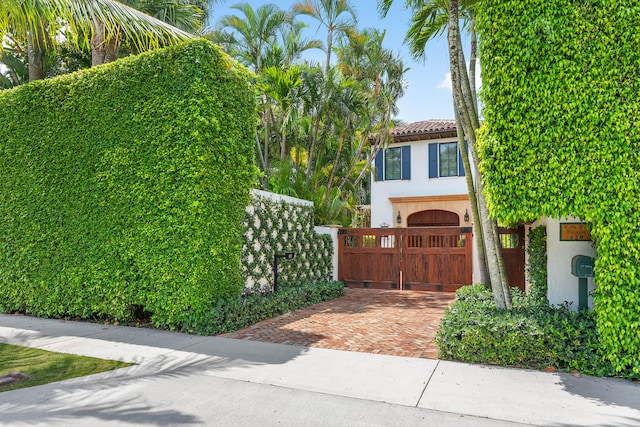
{"x":433,"y":160}
{"x":406,"y":162}
{"x":378,"y":163}
{"x":460,"y":163}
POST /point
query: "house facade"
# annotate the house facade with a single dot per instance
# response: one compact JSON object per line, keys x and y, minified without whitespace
{"x":419,"y":179}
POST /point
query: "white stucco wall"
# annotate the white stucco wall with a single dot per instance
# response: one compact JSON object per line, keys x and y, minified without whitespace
{"x":419,"y":185}
{"x":562,"y":285}
{"x":281,"y":198}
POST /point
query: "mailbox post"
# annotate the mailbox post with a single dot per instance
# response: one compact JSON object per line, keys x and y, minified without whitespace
{"x":582,"y":268}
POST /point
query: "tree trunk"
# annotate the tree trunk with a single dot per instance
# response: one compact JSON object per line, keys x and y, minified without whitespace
{"x":327,"y":65}
{"x":265,"y":184}
{"x":36,"y":53}
{"x":345,"y":178}
{"x":283,"y":145}
{"x":464,"y":105}
{"x":478,"y":231}
{"x":112,"y":49}
{"x":473,"y":60}
{"x":336,"y":162}
{"x":314,"y":137}
{"x":323,"y":94}
{"x":98,"y":47}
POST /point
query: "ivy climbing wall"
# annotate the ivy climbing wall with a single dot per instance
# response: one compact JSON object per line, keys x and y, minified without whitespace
{"x":276,"y":224}
{"x":561,"y":138}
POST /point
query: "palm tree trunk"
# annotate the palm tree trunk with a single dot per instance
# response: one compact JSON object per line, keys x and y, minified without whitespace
{"x":345,"y":178}
{"x":314,"y":138}
{"x":103,"y":51}
{"x":323,"y":94}
{"x":98,"y":44}
{"x":478,"y":231}
{"x":259,"y":150}
{"x":265,"y":184}
{"x":374,"y":152}
{"x":36,"y":53}
{"x":337,"y":159}
{"x":283,"y":145}
{"x":112,"y":49}
{"x":468,"y":115}
{"x":473,"y":59}
{"x":327,"y":65}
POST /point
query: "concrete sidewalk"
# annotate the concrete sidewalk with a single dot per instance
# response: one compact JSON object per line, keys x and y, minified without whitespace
{"x":182,"y":380}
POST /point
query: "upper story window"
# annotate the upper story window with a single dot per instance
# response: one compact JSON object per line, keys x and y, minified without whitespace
{"x":445,"y":160}
{"x":393,"y":164}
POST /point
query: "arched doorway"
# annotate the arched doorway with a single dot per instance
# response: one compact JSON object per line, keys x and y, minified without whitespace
{"x":433,"y":218}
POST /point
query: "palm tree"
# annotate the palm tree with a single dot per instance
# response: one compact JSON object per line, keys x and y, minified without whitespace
{"x":330,"y":14}
{"x":249,"y":38}
{"x":282,"y":91}
{"x":106,"y":37}
{"x":467,"y":113}
{"x":291,"y":45}
{"x":97,"y":20}
{"x":365,"y":60}
{"x":431,"y":18}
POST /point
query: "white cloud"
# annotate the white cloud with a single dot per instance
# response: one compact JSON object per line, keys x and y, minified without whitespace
{"x":446,"y":81}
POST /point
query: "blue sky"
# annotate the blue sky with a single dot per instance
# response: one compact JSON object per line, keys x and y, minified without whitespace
{"x":428,"y":94}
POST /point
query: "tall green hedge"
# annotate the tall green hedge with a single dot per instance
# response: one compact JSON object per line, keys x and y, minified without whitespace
{"x":561,"y":85}
{"x":123,"y":187}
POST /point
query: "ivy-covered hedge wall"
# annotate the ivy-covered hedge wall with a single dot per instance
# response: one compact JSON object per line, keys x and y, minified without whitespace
{"x":561,"y":137}
{"x":123,"y":187}
{"x":278,"y":224}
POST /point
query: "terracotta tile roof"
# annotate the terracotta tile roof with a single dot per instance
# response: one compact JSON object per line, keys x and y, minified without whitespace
{"x":426,"y":129}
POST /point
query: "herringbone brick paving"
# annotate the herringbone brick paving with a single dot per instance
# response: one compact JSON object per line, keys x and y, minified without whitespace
{"x":399,"y":323}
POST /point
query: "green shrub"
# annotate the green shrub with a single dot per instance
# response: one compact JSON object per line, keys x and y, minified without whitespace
{"x":123,"y":187}
{"x":531,"y":335}
{"x":233,"y":313}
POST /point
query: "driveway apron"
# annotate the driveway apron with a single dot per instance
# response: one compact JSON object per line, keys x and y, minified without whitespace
{"x":398,"y":323}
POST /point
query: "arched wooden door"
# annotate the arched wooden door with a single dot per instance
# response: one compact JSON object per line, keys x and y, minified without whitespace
{"x":433,"y":218}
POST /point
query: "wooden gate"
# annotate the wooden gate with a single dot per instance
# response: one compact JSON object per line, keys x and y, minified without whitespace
{"x":429,"y":258}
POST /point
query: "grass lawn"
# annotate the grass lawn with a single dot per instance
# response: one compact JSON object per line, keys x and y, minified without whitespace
{"x":45,"y":366}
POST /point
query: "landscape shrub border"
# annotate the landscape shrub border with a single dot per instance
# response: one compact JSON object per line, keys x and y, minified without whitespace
{"x":560,"y":138}
{"x":233,"y":313}
{"x":531,"y":335}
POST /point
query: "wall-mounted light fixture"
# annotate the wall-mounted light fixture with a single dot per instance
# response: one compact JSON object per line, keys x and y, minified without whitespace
{"x":399,"y":218}
{"x":466,"y":215}
{"x":276,"y":257}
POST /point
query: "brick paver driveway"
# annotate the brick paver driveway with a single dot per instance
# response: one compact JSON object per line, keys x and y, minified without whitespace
{"x":399,"y":323}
